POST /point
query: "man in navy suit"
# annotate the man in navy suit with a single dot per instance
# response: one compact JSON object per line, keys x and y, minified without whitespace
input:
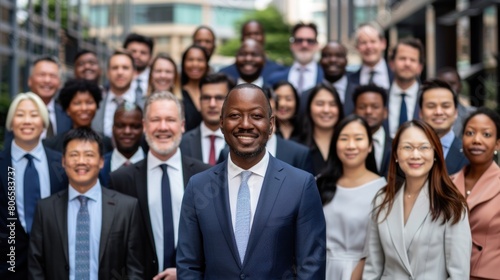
{"x":305,"y":73}
{"x":44,"y":81}
{"x":252,"y":216}
{"x":407,"y":62}
{"x":371,"y":45}
{"x":438,"y":108}
{"x":252,"y":29}
{"x":206,"y":141}
{"x":29,"y":172}
{"x":370,"y":103}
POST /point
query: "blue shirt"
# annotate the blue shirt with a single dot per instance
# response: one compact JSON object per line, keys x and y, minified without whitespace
{"x":446,"y":141}
{"x":19,"y":163}
{"x":94,"y":205}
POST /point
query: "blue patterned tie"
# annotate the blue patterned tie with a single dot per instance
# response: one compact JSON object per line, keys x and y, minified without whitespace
{"x":168,"y":221}
{"x":242,"y":231}
{"x":31,"y":191}
{"x":82,"y":248}
{"x":403,"y":113}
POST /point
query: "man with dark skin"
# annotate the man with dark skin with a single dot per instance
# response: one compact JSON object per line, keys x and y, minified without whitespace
{"x":277,"y":230}
{"x":250,"y":61}
{"x":203,"y":36}
{"x":252,"y":29}
{"x":87,"y":66}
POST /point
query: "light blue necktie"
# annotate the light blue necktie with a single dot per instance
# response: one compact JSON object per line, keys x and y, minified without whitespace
{"x":82,"y":247}
{"x":242,"y":231}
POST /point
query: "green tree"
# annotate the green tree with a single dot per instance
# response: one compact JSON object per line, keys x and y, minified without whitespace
{"x":277,"y":32}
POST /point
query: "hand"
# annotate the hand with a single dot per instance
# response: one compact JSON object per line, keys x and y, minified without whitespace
{"x":167,"y":274}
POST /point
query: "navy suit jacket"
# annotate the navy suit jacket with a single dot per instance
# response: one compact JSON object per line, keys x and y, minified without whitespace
{"x":132,"y":180}
{"x":106,"y":169}
{"x":355,"y":77}
{"x":455,"y":159}
{"x":58,"y":182}
{"x":283,"y":76}
{"x":287,"y":239}
{"x":270,"y":67}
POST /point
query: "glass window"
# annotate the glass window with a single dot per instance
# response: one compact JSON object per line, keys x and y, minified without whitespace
{"x":187,"y":14}
{"x":99,"y":16}
{"x":224,"y":17}
{"x":153,"y":13}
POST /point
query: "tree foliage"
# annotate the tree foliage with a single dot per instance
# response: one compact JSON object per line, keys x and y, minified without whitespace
{"x":277,"y":33}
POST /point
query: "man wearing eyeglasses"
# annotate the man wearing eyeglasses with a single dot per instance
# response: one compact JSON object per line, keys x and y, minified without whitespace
{"x":206,"y":142}
{"x":305,"y":73}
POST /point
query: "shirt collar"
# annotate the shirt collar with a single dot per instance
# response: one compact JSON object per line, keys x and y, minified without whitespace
{"x":129,"y":96}
{"x":174,"y":161}
{"x":272,"y":143}
{"x":309,"y":67}
{"x":341,"y":83}
{"x":258,"y":82}
{"x":17,"y":153}
{"x":93,"y":193}
{"x":379,"y":135}
{"x":205,"y":131}
{"x":51,"y":105}
{"x":144,"y":76}
{"x":120,"y":159}
{"x":411,"y":92}
{"x":258,"y":169}
{"x":380,"y":67}
{"x":448,"y":138}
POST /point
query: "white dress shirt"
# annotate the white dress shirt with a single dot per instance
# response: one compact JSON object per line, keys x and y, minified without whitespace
{"x":51,"y":107}
{"x":272,"y":144}
{"x":111,"y":106}
{"x":381,"y":76}
{"x":117,"y":159}
{"x":254,"y":184}
{"x":220,"y":143}
{"x":341,"y":86}
{"x":378,"y":144}
{"x":395,"y":105}
{"x":310,"y":75}
{"x":94,"y":206}
{"x":258,"y":82}
{"x":144,"y":77}
{"x":176,"y":180}
{"x":19,"y":163}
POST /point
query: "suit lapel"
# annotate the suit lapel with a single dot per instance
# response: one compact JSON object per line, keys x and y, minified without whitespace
{"x":56,"y":171}
{"x":418,"y":214}
{"x":270,"y":188}
{"x":487,"y":187}
{"x":5,"y":163}
{"x":196,"y":147}
{"x":141,"y":183}
{"x":395,"y":226}
{"x":222,"y":209}
{"x":61,"y":211}
{"x":187,"y":165}
{"x":108,"y":214}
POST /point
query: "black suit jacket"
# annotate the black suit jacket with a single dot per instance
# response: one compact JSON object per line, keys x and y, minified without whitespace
{"x":58,"y":182}
{"x":120,"y":248}
{"x":386,"y":156}
{"x":132,"y":180}
{"x":355,"y":77}
{"x":191,"y":144}
{"x":455,"y":159}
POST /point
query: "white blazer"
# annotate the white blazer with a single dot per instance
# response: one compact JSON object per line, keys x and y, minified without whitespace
{"x":423,"y":249}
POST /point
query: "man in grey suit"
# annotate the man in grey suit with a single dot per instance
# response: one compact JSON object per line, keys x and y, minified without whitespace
{"x":158,"y":182}
{"x":86,"y":231}
{"x":252,"y":216}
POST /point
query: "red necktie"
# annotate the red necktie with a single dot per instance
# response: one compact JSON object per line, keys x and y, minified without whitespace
{"x":211,"y":155}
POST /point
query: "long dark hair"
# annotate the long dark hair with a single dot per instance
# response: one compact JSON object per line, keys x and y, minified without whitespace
{"x":295,"y":118}
{"x":184,"y":77}
{"x":307,"y":135}
{"x":327,"y":180}
{"x":445,"y":199}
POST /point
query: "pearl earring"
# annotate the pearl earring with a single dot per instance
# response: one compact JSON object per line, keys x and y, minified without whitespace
{"x":495,"y":152}
{"x":396,"y":160}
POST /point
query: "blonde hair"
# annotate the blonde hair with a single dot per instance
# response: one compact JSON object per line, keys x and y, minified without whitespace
{"x":42,"y":108}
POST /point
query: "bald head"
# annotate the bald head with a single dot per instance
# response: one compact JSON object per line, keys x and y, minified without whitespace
{"x":250,"y":60}
{"x":333,"y":61}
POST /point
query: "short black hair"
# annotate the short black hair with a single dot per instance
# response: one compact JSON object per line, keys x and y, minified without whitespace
{"x":128,"y":107}
{"x":84,"y":134}
{"x":360,"y":90}
{"x":448,"y":69}
{"x":247,"y":85}
{"x":134,"y":37}
{"x":492,"y":115}
{"x":307,"y":25}
{"x":248,"y":22}
{"x":73,"y":86}
{"x":201,"y":27}
{"x":411,"y":42}
{"x":82,"y":52}
{"x":218,"y":78}
{"x":436,"y":83}
{"x":122,"y":52}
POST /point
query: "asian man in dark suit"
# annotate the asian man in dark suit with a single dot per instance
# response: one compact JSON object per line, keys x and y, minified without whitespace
{"x":30,"y":172}
{"x":252,"y":216}
{"x":158,"y":182}
{"x":85,"y":231}
{"x":438,"y":108}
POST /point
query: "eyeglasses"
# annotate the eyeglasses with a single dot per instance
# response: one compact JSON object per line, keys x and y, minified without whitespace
{"x":299,"y":41}
{"x":206,"y":98}
{"x":423,"y":149}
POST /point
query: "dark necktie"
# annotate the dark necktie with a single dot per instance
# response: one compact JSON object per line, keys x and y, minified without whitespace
{"x":168,"y":222}
{"x":403,"y":113}
{"x":31,"y":191}
{"x":372,"y":74}
{"x":50,"y":130}
{"x":82,"y":246}
{"x":138,"y":90}
{"x":211,"y":155}
{"x":118,"y":100}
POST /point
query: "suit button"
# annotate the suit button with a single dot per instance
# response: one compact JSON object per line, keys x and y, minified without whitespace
{"x":242,"y":276}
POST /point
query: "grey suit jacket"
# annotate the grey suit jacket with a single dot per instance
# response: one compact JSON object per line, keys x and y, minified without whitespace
{"x":120,"y":249}
{"x":421,"y":249}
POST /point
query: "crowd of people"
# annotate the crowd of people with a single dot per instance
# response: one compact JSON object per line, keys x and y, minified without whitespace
{"x":259,"y":171}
